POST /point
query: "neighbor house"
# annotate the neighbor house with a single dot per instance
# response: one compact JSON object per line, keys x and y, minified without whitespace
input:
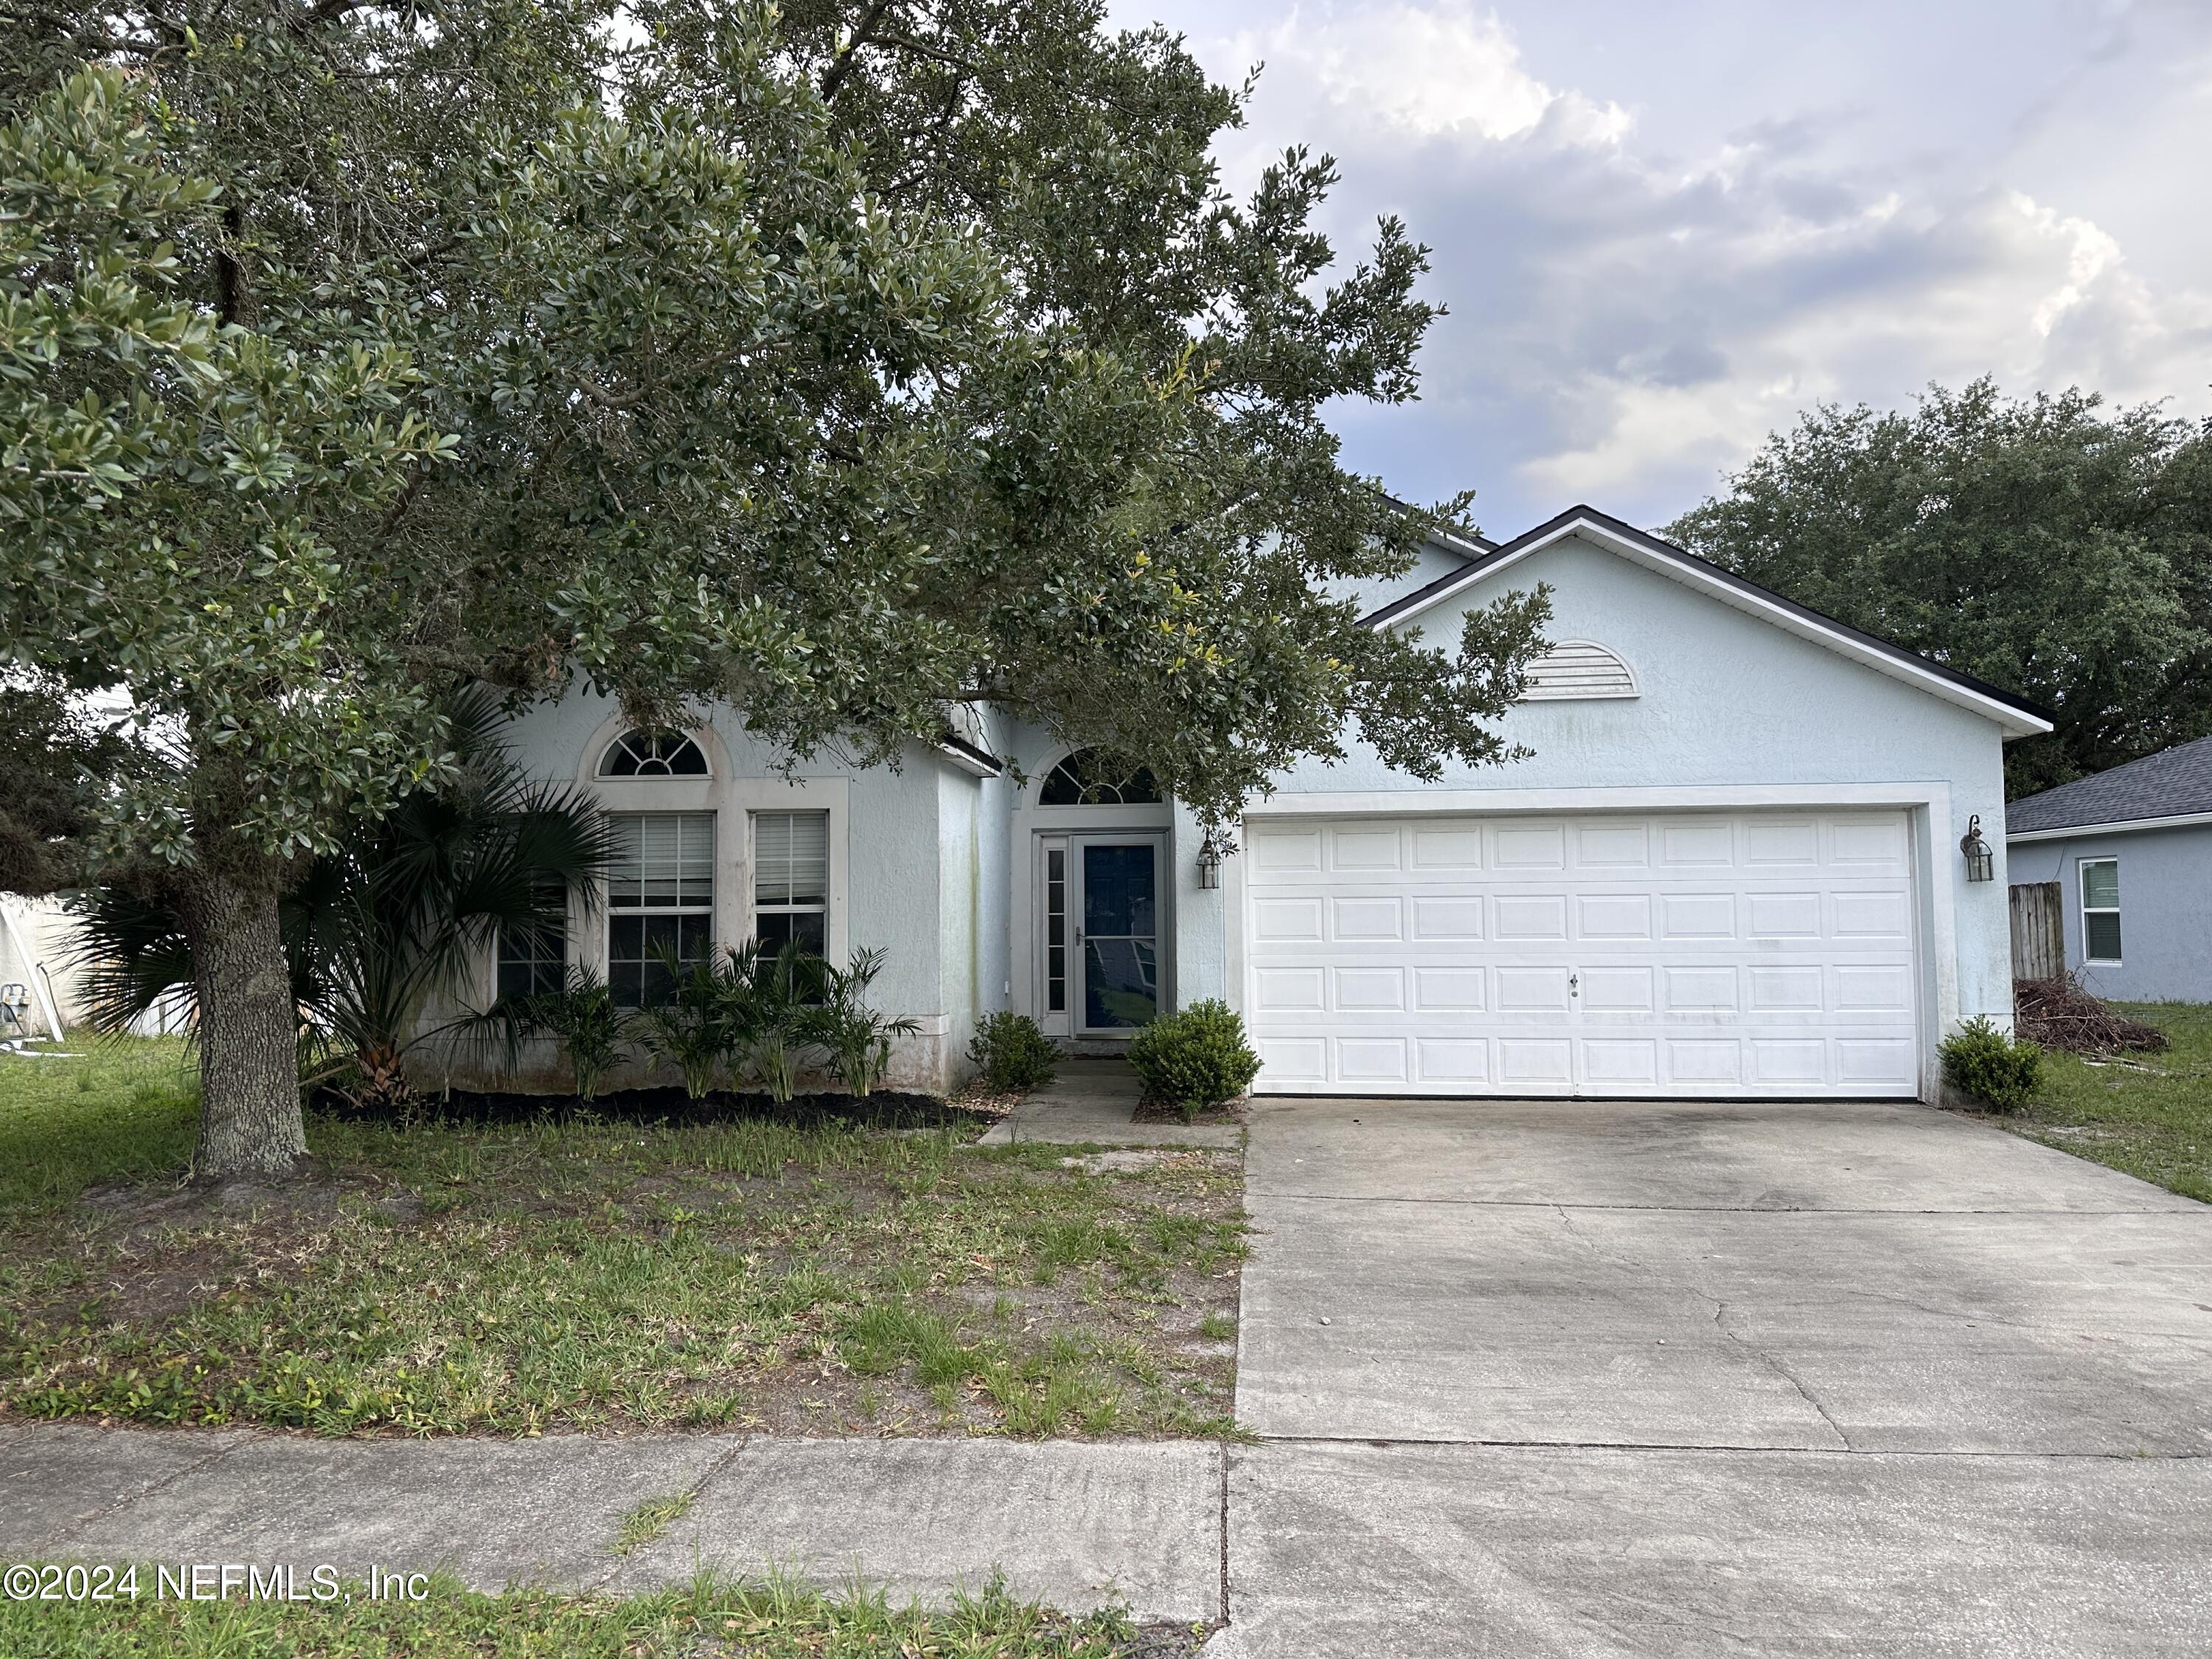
{"x":2123,"y":860}
{"x":1731,"y":867}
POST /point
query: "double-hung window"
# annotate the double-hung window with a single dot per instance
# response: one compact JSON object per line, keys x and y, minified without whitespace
{"x":790,"y":879}
{"x":660,"y":901}
{"x":534,"y":957}
{"x":2100,"y":909}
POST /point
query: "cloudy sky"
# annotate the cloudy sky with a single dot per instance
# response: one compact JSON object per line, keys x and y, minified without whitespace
{"x":1662,"y":229}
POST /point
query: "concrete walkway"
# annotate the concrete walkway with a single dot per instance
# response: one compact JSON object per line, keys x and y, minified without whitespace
{"x":1075,"y":1524}
{"x":1580,"y":1378}
{"x":1090,"y":1103}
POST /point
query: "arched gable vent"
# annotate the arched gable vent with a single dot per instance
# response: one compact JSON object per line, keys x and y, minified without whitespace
{"x":1578,"y":669}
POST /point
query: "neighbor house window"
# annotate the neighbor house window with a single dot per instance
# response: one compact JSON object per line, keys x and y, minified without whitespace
{"x":790,"y":879}
{"x":533,"y":959}
{"x":2100,"y":909}
{"x":660,"y":901}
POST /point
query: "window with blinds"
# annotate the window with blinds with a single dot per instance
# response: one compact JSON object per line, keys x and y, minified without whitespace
{"x":660,"y":901}
{"x":790,"y":879}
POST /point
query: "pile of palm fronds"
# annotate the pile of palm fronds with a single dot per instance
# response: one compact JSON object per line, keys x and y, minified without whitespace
{"x":2057,"y":1013}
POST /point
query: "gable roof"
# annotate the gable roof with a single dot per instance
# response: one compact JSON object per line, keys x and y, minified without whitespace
{"x":2174,"y":787}
{"x":2015,"y":715}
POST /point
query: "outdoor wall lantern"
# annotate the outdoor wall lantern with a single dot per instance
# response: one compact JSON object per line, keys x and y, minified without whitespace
{"x":1981,"y":864}
{"x":1211,"y":851}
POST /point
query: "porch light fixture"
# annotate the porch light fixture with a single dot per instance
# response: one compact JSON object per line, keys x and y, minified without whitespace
{"x":1211,"y":852}
{"x":1981,"y":864}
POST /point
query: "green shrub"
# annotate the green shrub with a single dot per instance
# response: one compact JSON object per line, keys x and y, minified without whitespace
{"x":1980,"y":1061}
{"x":1194,"y":1058}
{"x":1012,"y":1051}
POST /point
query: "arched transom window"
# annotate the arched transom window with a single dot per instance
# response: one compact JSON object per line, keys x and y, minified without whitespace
{"x":1082,"y":780}
{"x":652,"y":755}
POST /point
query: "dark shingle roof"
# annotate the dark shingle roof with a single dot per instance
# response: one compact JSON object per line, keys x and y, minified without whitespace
{"x":2174,"y":783}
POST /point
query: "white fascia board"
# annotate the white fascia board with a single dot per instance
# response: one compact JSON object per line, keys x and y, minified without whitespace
{"x":968,"y":762}
{"x":2012,"y":721}
{"x":1638,"y":797}
{"x":2180,"y":821}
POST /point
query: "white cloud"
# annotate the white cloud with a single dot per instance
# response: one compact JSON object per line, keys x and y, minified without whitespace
{"x":1432,"y":69}
{"x":1627,"y":322}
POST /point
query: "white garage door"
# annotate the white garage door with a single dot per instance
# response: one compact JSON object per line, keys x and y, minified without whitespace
{"x":1766,"y":954}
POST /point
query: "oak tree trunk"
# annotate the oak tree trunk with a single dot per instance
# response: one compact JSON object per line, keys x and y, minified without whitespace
{"x":250,"y":1121}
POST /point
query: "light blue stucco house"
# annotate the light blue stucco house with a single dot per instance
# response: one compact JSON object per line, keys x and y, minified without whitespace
{"x":2131,"y":852}
{"x":1731,"y":867}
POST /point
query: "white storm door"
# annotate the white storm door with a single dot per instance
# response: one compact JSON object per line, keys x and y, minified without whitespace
{"x":1713,"y":955}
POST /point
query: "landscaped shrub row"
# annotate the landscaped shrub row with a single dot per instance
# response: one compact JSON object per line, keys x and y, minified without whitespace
{"x":749,"y":1012}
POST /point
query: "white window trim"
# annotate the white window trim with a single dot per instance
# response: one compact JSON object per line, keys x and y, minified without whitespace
{"x":713,"y":909}
{"x":753,"y":911}
{"x":733,"y":800}
{"x":2081,"y":867}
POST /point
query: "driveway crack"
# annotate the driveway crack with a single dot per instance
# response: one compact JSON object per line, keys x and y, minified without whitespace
{"x":1720,"y":1321}
{"x":1774,"y":1364}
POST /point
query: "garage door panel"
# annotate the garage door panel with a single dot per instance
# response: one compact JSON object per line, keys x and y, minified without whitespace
{"x":1449,"y":990}
{"x":1532,"y":848}
{"x":1782,"y":841}
{"x":1446,"y":918}
{"x":1612,"y":846}
{"x":1696,"y":843}
{"x":1367,"y":917}
{"x":1531,"y":916}
{"x":1613,"y":916}
{"x":1455,"y":1061}
{"x":1364,"y":849}
{"x":1697,"y":916}
{"x":1360,"y":990}
{"x":1723,"y":954}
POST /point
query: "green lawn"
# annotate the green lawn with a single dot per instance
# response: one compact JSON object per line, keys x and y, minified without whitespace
{"x":706,"y":1618}
{"x":2149,"y":1114}
{"x":447,"y":1278}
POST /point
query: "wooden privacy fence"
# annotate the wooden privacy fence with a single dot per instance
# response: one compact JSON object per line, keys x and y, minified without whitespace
{"x":2039,"y":934}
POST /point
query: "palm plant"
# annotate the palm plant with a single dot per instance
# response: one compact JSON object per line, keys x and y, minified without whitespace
{"x":581,"y":1016}
{"x":692,"y":1029}
{"x":855,"y":1035}
{"x":389,"y":924}
{"x":773,"y":996}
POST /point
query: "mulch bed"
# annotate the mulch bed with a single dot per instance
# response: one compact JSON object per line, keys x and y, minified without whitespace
{"x":886,"y":1109}
{"x":2056,"y":1014}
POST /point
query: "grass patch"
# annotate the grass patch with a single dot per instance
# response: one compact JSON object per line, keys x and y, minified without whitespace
{"x":641,"y":1525}
{"x":445,"y":1277}
{"x":710,"y":1616}
{"x":2149,"y":1114}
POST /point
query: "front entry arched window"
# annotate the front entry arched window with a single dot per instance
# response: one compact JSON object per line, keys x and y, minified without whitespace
{"x":1083,"y":780}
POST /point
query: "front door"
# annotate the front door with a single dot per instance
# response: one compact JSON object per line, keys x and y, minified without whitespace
{"x":1117,"y":910}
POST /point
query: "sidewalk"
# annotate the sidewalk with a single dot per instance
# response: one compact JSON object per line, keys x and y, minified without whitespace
{"x":1093,"y":1102}
{"x":1075,"y":1524}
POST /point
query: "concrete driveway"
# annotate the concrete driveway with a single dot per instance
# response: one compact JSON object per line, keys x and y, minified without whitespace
{"x":1571,"y":1379}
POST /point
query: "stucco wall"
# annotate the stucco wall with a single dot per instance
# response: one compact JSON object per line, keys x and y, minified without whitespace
{"x":1727,"y":699}
{"x":2166,"y":909}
